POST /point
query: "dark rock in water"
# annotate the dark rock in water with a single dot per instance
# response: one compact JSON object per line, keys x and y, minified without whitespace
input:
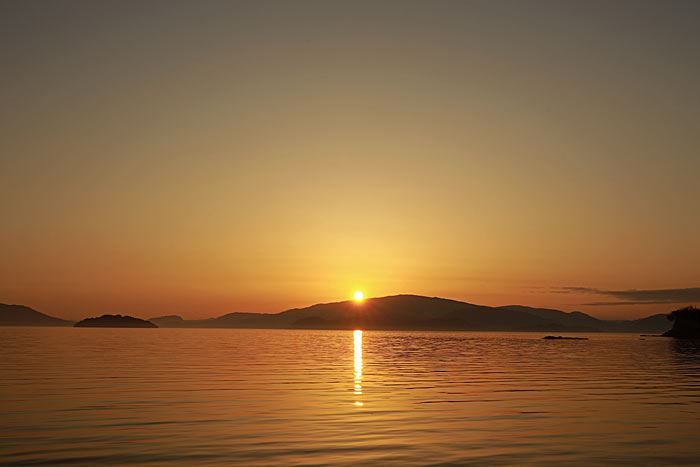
{"x":686,"y":323}
{"x":114,"y":321}
{"x":566,"y":338}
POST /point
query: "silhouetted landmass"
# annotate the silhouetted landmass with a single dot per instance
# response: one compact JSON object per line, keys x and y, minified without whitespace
{"x":168,"y":320}
{"x":19,"y":315}
{"x":114,"y":321}
{"x":574,"y":320}
{"x":655,"y":323}
{"x":310,"y":322}
{"x":565,"y":338}
{"x":686,"y":323}
{"x":415,"y":312}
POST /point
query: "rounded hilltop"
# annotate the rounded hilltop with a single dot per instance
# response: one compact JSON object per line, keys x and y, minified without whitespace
{"x":114,"y":321}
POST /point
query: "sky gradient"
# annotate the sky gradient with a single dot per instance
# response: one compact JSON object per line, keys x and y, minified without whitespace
{"x":200,"y":158}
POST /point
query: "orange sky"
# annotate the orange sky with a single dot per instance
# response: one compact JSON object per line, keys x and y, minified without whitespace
{"x":200,"y":158}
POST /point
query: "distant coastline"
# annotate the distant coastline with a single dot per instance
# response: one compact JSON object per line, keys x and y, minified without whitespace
{"x":20,"y":315}
{"x":398,"y":312}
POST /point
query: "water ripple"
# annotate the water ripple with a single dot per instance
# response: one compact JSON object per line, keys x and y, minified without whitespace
{"x":226,"y":397}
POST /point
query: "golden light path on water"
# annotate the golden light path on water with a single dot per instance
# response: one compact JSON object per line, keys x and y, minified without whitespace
{"x":358,"y":367}
{"x":289,"y":397}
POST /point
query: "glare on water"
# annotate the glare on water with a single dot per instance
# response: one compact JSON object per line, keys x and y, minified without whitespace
{"x":75,"y":396}
{"x":357,"y":335}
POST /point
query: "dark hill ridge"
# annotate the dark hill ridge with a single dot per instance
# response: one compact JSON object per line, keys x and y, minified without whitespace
{"x":168,"y":320}
{"x":575,"y":318}
{"x":415,"y":312}
{"x":20,"y":315}
{"x":114,"y":321}
{"x":410,"y":312}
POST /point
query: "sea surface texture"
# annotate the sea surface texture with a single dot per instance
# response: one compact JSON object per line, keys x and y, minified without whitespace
{"x":87,"y":396}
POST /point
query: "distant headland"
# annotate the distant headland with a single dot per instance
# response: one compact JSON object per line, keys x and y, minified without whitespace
{"x":20,"y":315}
{"x":397,"y":312}
{"x":114,"y":321}
{"x":686,"y":323}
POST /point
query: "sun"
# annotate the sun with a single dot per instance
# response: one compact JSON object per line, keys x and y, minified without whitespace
{"x":358,"y":296}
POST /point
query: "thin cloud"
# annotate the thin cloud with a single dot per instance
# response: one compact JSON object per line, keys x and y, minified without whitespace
{"x":637,"y":297}
{"x":627,"y":303}
{"x":575,"y":290}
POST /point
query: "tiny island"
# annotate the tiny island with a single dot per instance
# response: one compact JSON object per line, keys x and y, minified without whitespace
{"x":565,"y":338}
{"x":114,"y":321}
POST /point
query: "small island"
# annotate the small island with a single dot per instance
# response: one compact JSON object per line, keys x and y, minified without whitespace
{"x":566,"y":338}
{"x":114,"y":321}
{"x":686,"y":323}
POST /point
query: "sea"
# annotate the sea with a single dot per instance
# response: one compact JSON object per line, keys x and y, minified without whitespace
{"x":89,"y":396}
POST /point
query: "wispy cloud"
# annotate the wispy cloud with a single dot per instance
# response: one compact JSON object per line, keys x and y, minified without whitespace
{"x":636,"y":297}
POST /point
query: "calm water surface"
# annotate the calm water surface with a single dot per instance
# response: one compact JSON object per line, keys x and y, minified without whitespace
{"x":278,"y":397}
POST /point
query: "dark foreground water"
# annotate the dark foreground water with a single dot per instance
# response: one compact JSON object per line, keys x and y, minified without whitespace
{"x":214,"y":396}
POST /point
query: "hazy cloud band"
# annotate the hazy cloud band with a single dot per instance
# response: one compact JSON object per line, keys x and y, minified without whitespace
{"x":638,"y":297}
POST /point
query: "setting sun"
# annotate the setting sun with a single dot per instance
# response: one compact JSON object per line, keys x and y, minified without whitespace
{"x":218,"y":208}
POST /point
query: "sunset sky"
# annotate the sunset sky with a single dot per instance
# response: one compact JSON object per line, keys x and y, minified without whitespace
{"x":199,"y":158}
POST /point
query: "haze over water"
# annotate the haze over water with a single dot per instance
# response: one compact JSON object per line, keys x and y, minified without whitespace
{"x":296,"y":397}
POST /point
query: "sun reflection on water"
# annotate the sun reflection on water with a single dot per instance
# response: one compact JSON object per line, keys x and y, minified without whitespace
{"x":358,"y":367}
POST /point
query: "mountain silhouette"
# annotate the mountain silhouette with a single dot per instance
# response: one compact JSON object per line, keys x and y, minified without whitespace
{"x":397,"y":312}
{"x":168,"y":320}
{"x":415,"y":312}
{"x":114,"y":321}
{"x":20,"y":315}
